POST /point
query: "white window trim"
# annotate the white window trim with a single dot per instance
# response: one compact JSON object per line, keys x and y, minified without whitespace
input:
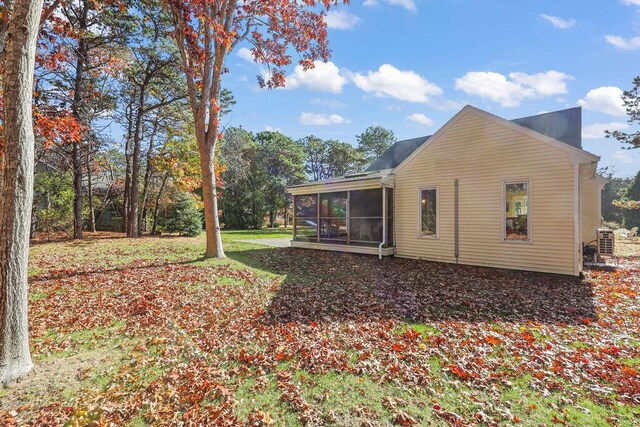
{"x":503,"y":225}
{"x":421,"y":235}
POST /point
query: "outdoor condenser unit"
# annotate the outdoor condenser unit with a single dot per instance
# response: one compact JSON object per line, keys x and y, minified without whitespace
{"x":605,"y":242}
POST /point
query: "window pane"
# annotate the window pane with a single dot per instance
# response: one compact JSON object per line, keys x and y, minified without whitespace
{"x":306,"y":229}
{"x":428,"y":213}
{"x":333,"y":229}
{"x":366,"y":203}
{"x":333,"y":205}
{"x":307,"y":205}
{"x":517,"y":209}
{"x":366,"y":230}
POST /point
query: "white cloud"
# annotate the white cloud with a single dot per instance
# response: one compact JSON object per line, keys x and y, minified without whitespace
{"x":341,"y":19}
{"x":420,"y":119}
{"x":407,"y":4}
{"x":623,"y":156}
{"x":596,"y":130}
{"x":622,"y":43}
{"x":509,"y":92}
{"x":403,"y":85}
{"x":631,"y":2}
{"x":272,"y":129}
{"x":560,"y":23}
{"x":245,"y":54}
{"x":326,"y":102}
{"x":324,"y":77}
{"x":322,"y":119}
{"x":607,"y":99}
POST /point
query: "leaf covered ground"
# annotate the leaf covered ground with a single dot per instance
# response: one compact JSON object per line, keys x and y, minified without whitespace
{"x":145,"y":332}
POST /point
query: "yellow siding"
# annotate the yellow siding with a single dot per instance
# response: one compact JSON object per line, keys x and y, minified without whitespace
{"x":481,"y":154}
{"x":590,"y":203}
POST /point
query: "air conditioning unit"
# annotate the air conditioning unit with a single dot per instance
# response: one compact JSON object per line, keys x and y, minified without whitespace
{"x":605,"y":242}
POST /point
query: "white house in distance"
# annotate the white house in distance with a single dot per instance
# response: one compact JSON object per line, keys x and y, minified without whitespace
{"x":519,"y":194}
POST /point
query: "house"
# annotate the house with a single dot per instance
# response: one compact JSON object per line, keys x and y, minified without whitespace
{"x":482,"y":190}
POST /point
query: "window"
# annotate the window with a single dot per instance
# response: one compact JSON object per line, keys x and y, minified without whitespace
{"x":428,"y":212}
{"x":516,"y":220}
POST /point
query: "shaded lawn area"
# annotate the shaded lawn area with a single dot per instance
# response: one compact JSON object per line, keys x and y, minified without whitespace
{"x":146,"y":332}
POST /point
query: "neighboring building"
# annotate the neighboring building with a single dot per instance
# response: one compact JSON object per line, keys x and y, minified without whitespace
{"x":483,"y":190}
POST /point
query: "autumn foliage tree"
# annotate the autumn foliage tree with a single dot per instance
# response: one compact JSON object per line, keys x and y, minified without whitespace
{"x":206,"y":31}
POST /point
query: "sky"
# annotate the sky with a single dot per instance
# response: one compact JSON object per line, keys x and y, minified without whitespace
{"x":410,"y":65}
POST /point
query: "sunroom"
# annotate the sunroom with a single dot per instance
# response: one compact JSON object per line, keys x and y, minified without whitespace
{"x":353,"y":213}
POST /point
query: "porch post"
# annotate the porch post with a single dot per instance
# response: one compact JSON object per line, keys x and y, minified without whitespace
{"x":318,"y":219}
{"x":348,"y":215}
{"x":384,"y":221}
{"x":293,"y":217}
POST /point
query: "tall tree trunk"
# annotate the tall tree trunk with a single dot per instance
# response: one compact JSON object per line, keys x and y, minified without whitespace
{"x":76,"y":111}
{"x":127,"y":155}
{"x":147,"y":176}
{"x":77,"y":190}
{"x":132,"y":226}
{"x":209,"y":195}
{"x":17,"y":188}
{"x":157,"y":205}
{"x":92,"y":214}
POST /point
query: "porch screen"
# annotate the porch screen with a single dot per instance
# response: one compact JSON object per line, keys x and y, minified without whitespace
{"x":365,"y":216}
{"x":333,"y":216}
{"x":306,"y":217}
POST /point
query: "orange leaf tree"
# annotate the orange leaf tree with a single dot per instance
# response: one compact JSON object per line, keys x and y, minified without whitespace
{"x":206,"y":31}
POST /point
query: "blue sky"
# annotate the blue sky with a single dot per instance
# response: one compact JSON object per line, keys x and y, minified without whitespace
{"x":410,"y":65}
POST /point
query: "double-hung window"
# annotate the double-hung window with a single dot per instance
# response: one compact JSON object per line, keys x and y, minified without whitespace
{"x":516,"y":221}
{"x":428,"y":206}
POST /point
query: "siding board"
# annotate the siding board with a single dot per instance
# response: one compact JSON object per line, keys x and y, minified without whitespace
{"x":481,"y":155}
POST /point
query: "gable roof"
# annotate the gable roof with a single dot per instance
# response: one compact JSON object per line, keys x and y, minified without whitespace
{"x":564,"y":125}
{"x":396,"y":154}
{"x":575,"y":154}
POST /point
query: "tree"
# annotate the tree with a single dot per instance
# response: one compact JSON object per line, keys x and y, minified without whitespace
{"x":206,"y":31}
{"x":153,"y":82}
{"x":328,"y":159}
{"x":631,"y":101}
{"x":183,"y":216}
{"x":316,"y":159}
{"x":53,"y":199}
{"x":631,"y":202}
{"x":81,"y":57}
{"x":374,"y":141}
{"x":243,"y":200}
{"x":614,"y":190}
{"x":281,"y":160}
{"x":18,"y":33}
{"x":630,"y":205}
{"x":343,"y":158}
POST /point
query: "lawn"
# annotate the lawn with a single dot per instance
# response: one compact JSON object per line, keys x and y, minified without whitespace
{"x":147,"y":332}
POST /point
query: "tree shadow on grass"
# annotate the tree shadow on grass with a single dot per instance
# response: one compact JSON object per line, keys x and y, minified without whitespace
{"x":328,"y":286}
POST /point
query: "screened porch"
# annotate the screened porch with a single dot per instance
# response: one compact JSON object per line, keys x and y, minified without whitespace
{"x":349,"y":220}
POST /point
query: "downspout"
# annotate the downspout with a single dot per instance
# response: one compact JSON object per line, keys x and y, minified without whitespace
{"x":384,"y":221}
{"x":456,"y":244}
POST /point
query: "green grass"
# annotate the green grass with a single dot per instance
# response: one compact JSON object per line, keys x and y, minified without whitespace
{"x":340,"y":398}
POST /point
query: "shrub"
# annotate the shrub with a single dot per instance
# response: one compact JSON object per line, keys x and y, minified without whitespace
{"x":183,"y":216}
{"x":53,"y":202}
